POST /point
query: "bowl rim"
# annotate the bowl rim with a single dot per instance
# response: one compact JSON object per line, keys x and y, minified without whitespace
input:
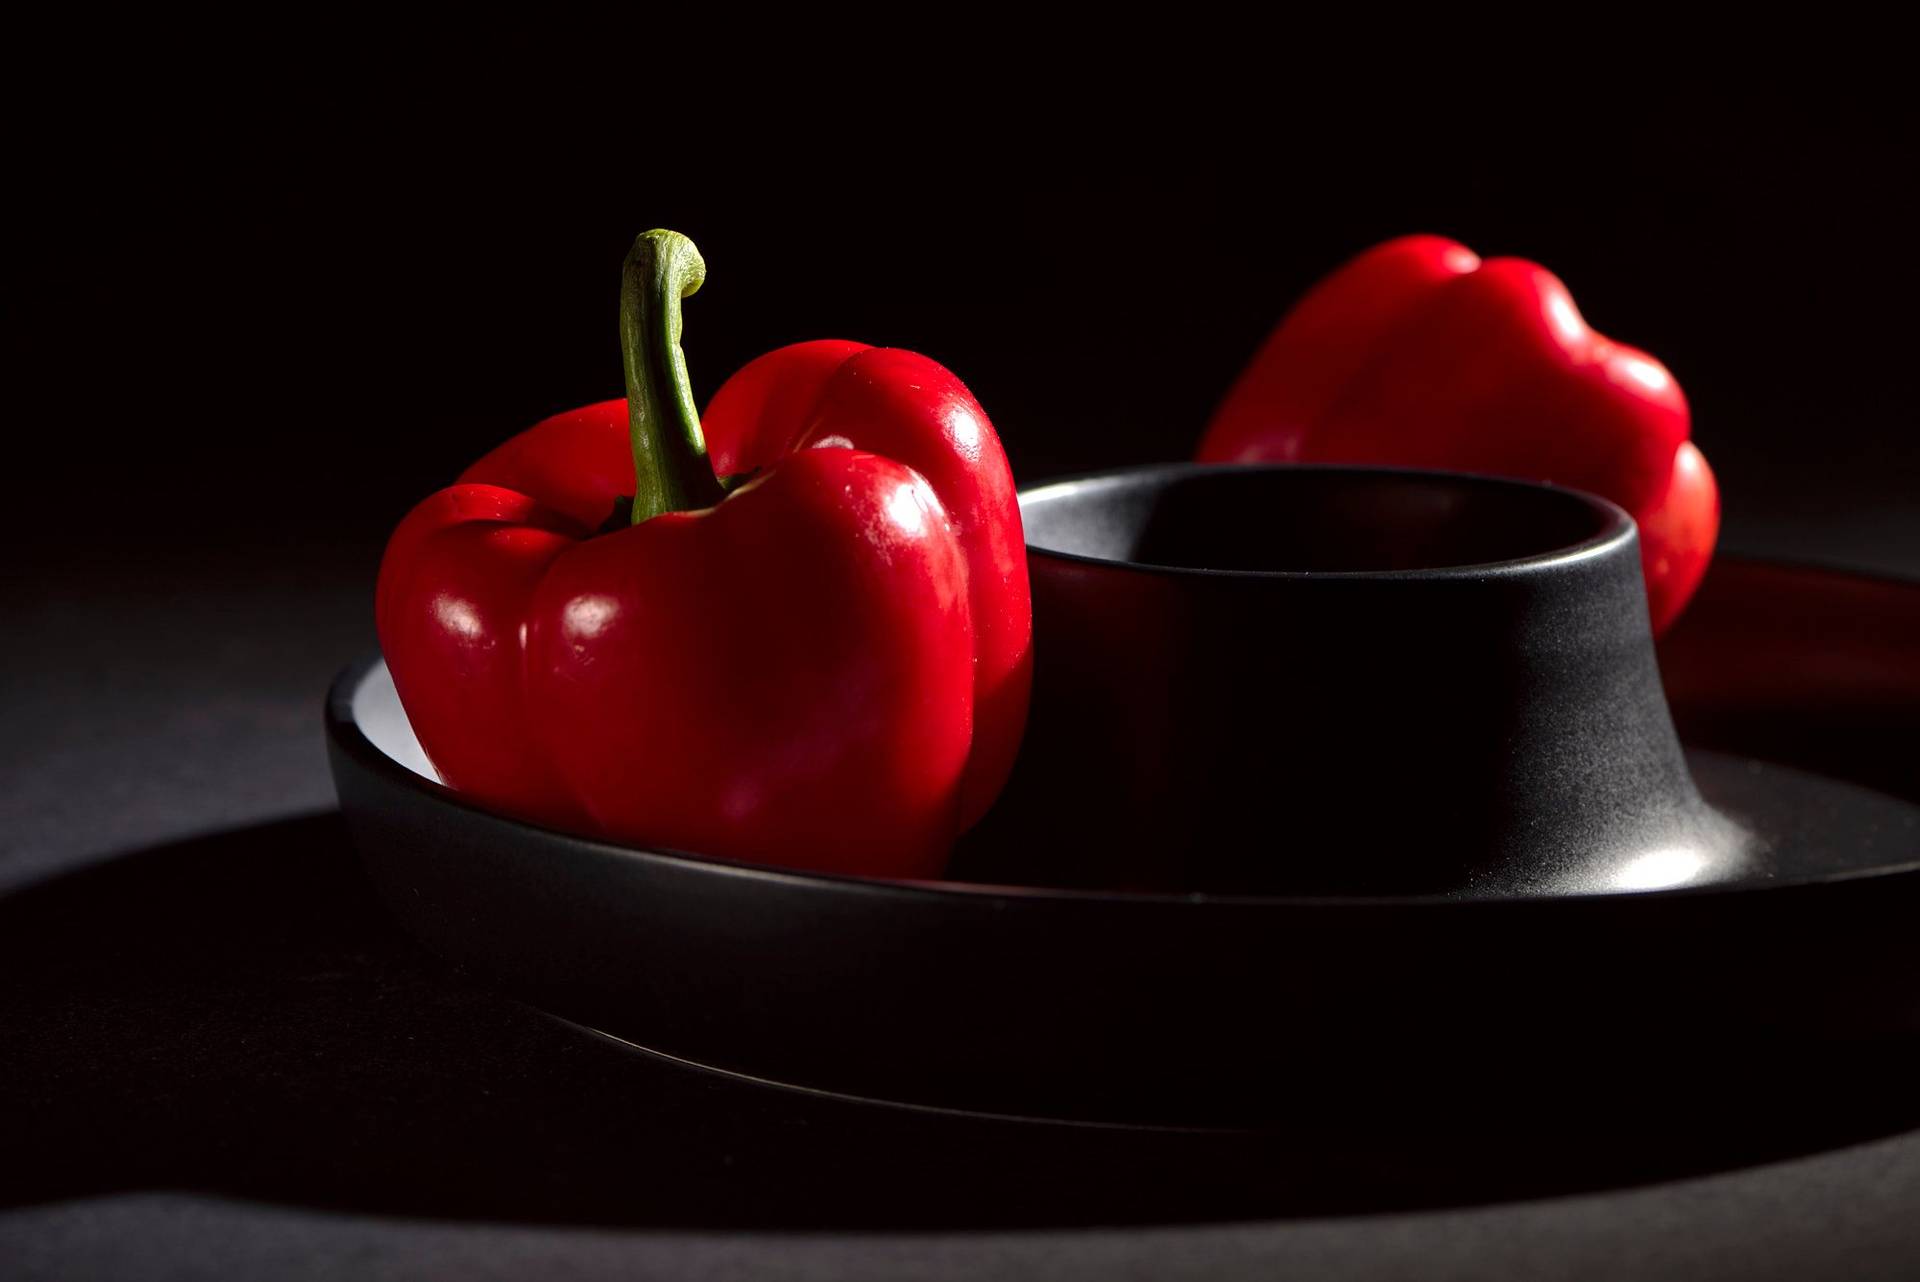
{"x":1616,"y":530}
{"x":346,"y":735}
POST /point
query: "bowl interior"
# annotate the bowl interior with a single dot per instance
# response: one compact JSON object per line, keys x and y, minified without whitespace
{"x":378,"y":714}
{"x":1311,"y":520}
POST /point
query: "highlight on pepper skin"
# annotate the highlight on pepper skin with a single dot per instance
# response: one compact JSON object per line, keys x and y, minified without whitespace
{"x":1417,"y":353}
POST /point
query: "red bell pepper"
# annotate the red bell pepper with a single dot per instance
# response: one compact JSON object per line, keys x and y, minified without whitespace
{"x":1418,"y":354}
{"x":822,"y":661}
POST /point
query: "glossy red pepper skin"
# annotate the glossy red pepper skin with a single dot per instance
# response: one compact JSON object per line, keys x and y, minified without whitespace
{"x":1419,"y":354}
{"x":826,"y":669}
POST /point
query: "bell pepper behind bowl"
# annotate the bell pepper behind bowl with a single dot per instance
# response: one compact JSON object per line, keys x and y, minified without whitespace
{"x":1419,"y":354}
{"x":821,"y":660}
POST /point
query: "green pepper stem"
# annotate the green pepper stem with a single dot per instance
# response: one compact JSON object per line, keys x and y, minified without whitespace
{"x":671,"y":472}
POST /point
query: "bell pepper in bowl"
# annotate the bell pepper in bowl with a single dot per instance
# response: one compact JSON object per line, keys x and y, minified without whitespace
{"x":1418,"y":353}
{"x":795,"y":632}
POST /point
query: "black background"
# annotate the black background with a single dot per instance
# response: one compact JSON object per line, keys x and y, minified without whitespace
{"x":294,"y":313}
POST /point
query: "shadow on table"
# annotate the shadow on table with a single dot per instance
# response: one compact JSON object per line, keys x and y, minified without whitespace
{"x":234,"y":1014}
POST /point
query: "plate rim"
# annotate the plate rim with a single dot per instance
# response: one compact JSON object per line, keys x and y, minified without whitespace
{"x":345,"y":733}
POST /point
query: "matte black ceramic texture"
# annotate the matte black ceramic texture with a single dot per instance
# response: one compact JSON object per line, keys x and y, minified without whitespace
{"x":1349,"y":681}
{"x":1247,"y":1010}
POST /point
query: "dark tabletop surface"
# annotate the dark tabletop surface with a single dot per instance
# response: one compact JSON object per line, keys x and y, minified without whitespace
{"x":219,"y":1061}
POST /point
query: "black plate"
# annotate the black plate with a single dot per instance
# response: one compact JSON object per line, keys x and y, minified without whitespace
{"x":1239,"y":1010}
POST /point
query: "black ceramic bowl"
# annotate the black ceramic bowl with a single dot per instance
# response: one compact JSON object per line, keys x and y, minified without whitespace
{"x":1320,"y":680}
{"x":1779,"y":919}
